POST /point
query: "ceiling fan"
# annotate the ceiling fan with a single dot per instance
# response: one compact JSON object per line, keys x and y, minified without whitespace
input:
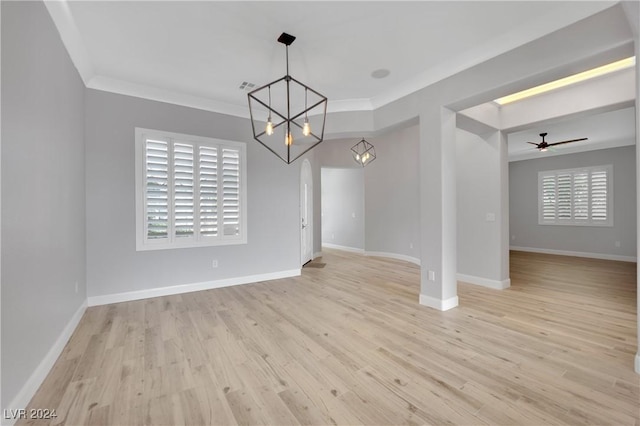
{"x":543,"y":146}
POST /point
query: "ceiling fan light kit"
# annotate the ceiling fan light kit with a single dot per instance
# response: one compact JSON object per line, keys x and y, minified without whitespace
{"x":295,"y":114}
{"x":363,"y":153}
{"x":544,"y":145}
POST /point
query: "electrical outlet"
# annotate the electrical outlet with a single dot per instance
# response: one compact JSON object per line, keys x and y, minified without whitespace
{"x":410,"y":245}
{"x":353,"y":215}
{"x":214,"y":263}
{"x":513,"y":237}
{"x":617,"y":244}
{"x":333,"y":236}
{"x":432,"y":275}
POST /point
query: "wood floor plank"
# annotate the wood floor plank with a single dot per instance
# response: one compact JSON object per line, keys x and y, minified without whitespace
{"x":349,"y":344}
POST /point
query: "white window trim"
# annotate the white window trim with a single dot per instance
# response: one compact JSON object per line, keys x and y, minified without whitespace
{"x":142,"y":242}
{"x":578,"y":222}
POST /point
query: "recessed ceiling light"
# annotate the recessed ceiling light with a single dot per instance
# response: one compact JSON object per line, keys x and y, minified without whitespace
{"x":381,"y":73}
{"x":576,"y":78}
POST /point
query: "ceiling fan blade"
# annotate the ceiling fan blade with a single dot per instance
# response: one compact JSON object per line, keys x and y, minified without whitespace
{"x":572,"y":140}
{"x":533,"y":143}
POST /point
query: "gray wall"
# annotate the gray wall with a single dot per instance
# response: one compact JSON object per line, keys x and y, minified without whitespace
{"x":523,"y":195}
{"x":481,"y":251}
{"x":392,"y":203}
{"x":43,"y":216}
{"x":113,"y":265}
{"x":343,"y":207}
{"x":391,"y":189}
{"x":336,"y":153}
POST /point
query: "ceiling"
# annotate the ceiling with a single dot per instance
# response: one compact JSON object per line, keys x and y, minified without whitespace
{"x":199,"y":53}
{"x":604,"y":130}
{"x":202,"y":51}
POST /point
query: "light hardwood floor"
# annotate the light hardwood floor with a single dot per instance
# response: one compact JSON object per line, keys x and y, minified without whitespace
{"x":349,"y":344}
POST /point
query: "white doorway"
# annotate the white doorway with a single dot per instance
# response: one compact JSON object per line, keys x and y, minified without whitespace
{"x":306,"y":213}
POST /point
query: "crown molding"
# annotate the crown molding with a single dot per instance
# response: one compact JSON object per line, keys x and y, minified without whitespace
{"x":163,"y":95}
{"x":349,"y":105}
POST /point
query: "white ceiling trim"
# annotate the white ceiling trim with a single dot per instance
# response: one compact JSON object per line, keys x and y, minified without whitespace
{"x":163,"y":95}
{"x":348,"y":105}
{"x":144,"y":91}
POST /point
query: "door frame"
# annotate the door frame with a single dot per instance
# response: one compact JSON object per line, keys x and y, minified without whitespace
{"x":306,"y":177}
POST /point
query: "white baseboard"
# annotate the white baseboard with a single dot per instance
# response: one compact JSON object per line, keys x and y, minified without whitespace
{"x":576,"y":254}
{"x":441,"y":305}
{"x":187,"y":288}
{"x":637,"y":363}
{"x":484,"y":282}
{"x":404,"y":257}
{"x":42,"y":370}
{"x":343,"y":248}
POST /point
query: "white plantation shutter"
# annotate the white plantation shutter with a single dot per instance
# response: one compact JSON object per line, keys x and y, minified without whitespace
{"x":581,"y":196}
{"x":208,"y":162}
{"x":576,"y":197}
{"x":231,"y":191}
{"x":599,"y":195}
{"x":548,"y":198}
{"x":183,"y":193}
{"x":190,"y":190}
{"x":157,"y":189}
{"x":563,"y":201}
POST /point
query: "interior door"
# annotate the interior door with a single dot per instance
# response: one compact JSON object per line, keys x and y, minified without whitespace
{"x":306,"y":213}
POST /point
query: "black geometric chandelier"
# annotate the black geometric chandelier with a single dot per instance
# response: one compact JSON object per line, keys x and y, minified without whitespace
{"x":363,"y":153}
{"x":287,"y":116}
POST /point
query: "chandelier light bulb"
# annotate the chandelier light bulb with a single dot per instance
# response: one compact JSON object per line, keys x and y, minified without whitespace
{"x":306,"y":128}
{"x":288,"y":140}
{"x":269,"y":129}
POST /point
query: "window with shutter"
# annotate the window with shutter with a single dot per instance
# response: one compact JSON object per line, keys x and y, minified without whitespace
{"x":548,"y":191}
{"x":563,"y":203}
{"x":581,"y":196}
{"x":599,"y":196}
{"x":183,"y":214}
{"x":157,"y":189}
{"x":230,"y":191}
{"x":208,"y":191}
{"x":576,"y":196}
{"x":190,"y":191}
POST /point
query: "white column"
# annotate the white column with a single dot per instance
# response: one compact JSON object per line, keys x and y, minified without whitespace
{"x":438,"y":285}
{"x":505,"y":238}
{"x":637,"y":50}
{"x":632,"y":10}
